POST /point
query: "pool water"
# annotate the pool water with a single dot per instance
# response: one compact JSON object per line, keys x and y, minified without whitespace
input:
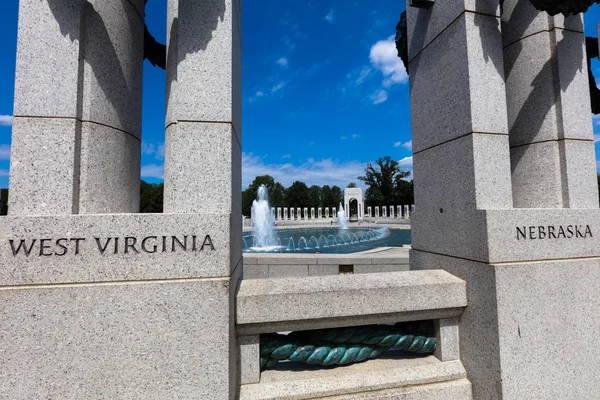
{"x":330,"y":240}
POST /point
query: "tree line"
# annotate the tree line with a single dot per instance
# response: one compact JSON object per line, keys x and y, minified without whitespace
{"x":297,"y":195}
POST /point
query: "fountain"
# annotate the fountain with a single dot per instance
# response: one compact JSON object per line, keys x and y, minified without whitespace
{"x":342,"y":218}
{"x":264,"y":238}
{"x":263,"y":233}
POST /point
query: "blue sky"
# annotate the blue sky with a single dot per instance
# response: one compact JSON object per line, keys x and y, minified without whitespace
{"x":323,"y":90}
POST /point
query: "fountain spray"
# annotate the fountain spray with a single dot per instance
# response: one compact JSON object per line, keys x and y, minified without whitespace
{"x":342,"y":224}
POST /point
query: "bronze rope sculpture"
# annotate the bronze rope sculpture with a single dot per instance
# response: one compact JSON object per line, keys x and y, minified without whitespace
{"x":343,"y":346}
{"x":552,"y":7}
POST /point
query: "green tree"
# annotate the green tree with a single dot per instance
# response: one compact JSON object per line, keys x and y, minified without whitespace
{"x":151,"y":197}
{"x":297,"y":195}
{"x":351,"y":185}
{"x":277,"y":195}
{"x":337,"y":196}
{"x":275,"y":189}
{"x":386,"y":184}
{"x":326,"y":196}
{"x":314,"y":196}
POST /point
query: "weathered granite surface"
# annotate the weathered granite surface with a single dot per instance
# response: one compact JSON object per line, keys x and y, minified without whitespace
{"x":118,"y":341}
{"x":518,"y":318}
{"x":263,"y":301}
{"x":416,"y":376}
{"x":62,"y":258}
{"x":78,"y":82}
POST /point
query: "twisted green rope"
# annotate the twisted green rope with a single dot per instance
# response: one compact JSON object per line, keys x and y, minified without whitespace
{"x":342,"y":346}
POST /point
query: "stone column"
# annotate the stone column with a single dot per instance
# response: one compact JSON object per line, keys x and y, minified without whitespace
{"x":203,"y":156}
{"x":77,"y":126}
{"x":527,"y":269}
{"x":550,"y":132}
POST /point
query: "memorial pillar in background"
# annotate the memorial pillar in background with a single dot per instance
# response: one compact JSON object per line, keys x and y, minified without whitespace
{"x":203,"y":158}
{"x":78,"y":108}
{"x":532,"y":273}
{"x":550,"y":132}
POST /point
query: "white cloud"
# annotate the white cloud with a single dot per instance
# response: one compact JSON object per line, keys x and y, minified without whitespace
{"x":157,"y":150}
{"x":4,"y":151}
{"x":6,"y":120}
{"x":364,"y":73}
{"x":286,"y":156}
{"x":288,"y":43}
{"x":406,"y":145}
{"x":4,"y":172}
{"x":357,"y":77}
{"x":355,"y":136}
{"x":379,"y":96}
{"x":384,"y":57}
{"x":406,"y":162}
{"x":313,"y":172}
{"x":153,"y":171}
{"x":277,"y":87}
{"x":596,"y":119}
{"x":282,"y":61}
{"x":257,"y":96}
{"x":344,"y":137}
{"x":330,"y":17}
{"x":596,"y":137}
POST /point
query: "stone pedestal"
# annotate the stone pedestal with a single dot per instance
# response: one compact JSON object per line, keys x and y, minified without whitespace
{"x":77,"y":127}
{"x":121,"y":305}
{"x":486,"y":175}
{"x":203,"y":151}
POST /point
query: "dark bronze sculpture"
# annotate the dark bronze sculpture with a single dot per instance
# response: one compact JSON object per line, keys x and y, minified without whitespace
{"x":552,"y":7}
{"x":565,"y":7}
{"x":154,"y":52}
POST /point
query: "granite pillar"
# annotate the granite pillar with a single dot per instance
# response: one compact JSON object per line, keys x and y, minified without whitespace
{"x":77,"y":126}
{"x":203,"y":152}
{"x":551,"y":142}
{"x":528,"y":251}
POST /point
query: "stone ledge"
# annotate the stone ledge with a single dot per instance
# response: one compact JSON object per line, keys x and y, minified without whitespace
{"x":81,"y":248}
{"x":267,"y":305}
{"x":395,"y":371}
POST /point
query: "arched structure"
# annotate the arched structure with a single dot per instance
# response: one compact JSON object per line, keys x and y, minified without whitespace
{"x":354,"y":195}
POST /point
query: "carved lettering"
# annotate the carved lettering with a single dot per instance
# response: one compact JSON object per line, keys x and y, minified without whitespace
{"x":554,"y":232}
{"x":130,"y":244}
{"x":101,"y":248}
{"x":44,"y":247}
{"x":65,"y":249}
{"x":60,"y":247}
{"x":207,"y":241}
{"x":77,"y":240}
{"x":154,"y":247}
{"x":22,"y":244}
{"x":541,"y":232}
{"x":175,"y":241}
